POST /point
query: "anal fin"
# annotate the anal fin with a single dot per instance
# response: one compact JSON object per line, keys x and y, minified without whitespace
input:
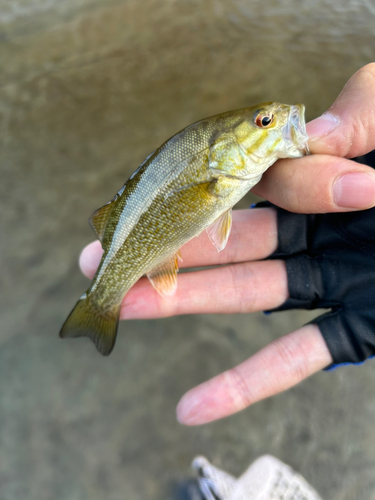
{"x":219,"y":231}
{"x":164,"y":276}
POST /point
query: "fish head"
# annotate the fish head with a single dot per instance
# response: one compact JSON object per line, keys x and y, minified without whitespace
{"x":270,"y":131}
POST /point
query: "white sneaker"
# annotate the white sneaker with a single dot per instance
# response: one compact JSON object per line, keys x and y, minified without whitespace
{"x":266,"y":479}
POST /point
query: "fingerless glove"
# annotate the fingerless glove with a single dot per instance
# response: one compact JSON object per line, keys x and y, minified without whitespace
{"x":330,"y":262}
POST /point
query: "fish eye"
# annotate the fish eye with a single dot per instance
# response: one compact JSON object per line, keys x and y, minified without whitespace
{"x":263,"y":119}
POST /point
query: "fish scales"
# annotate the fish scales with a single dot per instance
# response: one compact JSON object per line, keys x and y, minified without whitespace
{"x":175,"y":165}
{"x":188,"y":184}
{"x":179,"y":217}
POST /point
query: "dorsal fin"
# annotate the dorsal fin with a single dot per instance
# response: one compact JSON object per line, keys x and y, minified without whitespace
{"x":99,"y":219}
{"x":164,"y":276}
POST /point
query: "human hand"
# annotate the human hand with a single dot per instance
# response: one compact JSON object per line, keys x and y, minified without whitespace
{"x":315,"y":184}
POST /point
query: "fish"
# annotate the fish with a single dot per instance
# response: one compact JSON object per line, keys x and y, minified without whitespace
{"x":187,"y":185}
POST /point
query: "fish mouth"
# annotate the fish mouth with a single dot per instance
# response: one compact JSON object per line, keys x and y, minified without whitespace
{"x":295,"y":136}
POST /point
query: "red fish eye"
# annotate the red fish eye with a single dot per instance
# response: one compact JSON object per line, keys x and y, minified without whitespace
{"x":263,"y":120}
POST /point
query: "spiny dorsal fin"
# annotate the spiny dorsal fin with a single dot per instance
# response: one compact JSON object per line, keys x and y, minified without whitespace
{"x":99,"y":219}
{"x":164,"y":276}
{"x":219,"y":231}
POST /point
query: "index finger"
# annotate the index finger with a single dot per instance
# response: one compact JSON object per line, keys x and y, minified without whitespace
{"x":277,"y":367}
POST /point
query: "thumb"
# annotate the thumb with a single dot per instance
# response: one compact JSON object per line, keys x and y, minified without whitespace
{"x":347,"y":129}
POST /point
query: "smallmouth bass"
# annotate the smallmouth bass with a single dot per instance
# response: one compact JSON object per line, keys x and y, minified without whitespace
{"x":189,"y":184}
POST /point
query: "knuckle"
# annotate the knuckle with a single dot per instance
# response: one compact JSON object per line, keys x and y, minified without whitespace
{"x":367,"y":73}
{"x":240,"y":388}
{"x":235,"y":277}
{"x":241,"y":274}
{"x":357,"y":96}
{"x":358,"y":134}
{"x":292,"y":356}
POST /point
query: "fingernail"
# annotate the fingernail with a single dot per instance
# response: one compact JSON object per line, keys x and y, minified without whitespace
{"x":321,"y":126}
{"x":354,"y":190}
{"x":188,"y":410}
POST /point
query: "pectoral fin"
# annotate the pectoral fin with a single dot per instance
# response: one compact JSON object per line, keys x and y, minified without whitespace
{"x":164,"y":277}
{"x":99,"y":219}
{"x":219,"y":231}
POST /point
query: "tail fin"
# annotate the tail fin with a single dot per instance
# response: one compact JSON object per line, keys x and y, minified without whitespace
{"x":87,"y":320}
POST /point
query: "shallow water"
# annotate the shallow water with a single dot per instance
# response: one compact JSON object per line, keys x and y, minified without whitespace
{"x":88,"y":89}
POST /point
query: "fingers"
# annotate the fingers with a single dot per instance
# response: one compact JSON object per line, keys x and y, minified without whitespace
{"x":348,"y":128}
{"x":318,"y":184}
{"x":279,"y":366}
{"x":246,"y":287}
{"x":253,"y":237}
{"x":90,"y":258}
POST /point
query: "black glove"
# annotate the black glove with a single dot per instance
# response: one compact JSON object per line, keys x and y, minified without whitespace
{"x":330,"y":262}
